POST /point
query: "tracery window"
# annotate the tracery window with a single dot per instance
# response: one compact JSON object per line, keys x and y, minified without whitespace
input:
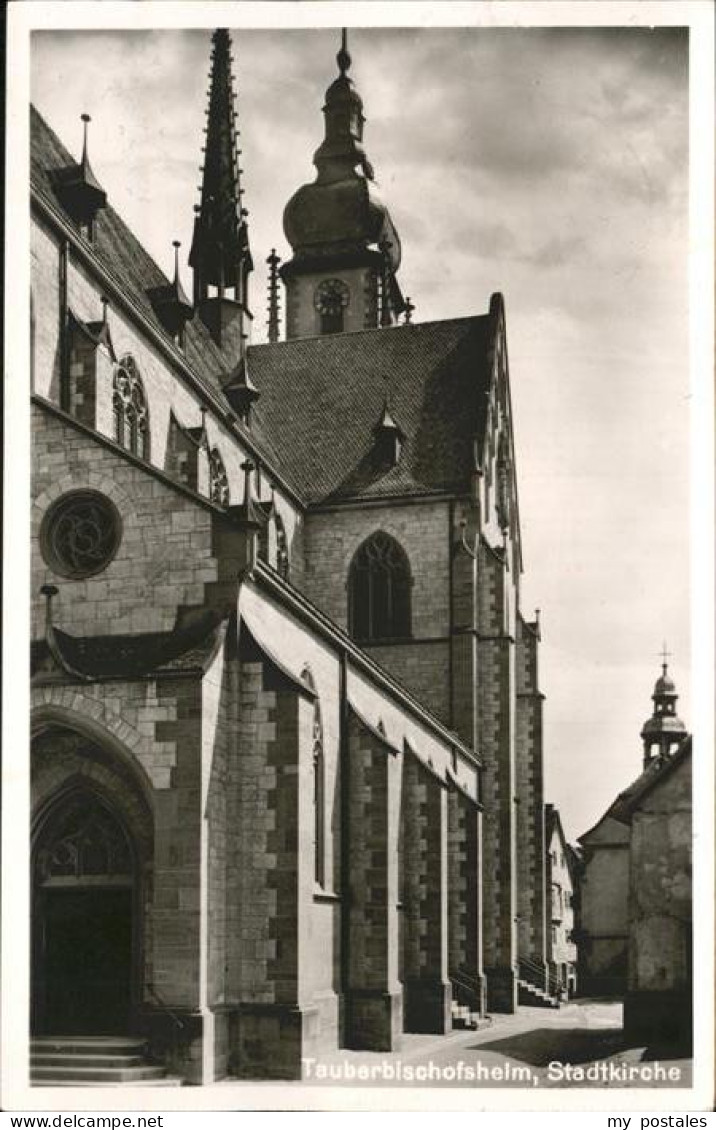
{"x":282,"y":559}
{"x":319,"y":790}
{"x":218,"y":479}
{"x":503,"y":501}
{"x":379,"y":585}
{"x":85,"y":842}
{"x":129,"y":406}
{"x":318,"y":798}
{"x":80,"y":534}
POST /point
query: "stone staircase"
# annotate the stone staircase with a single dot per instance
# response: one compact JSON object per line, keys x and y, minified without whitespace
{"x":532,"y":975}
{"x":94,"y":1061}
{"x":530,"y":994}
{"x":463,"y":1017}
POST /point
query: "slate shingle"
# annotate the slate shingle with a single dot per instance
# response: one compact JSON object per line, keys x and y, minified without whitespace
{"x":321,"y":397}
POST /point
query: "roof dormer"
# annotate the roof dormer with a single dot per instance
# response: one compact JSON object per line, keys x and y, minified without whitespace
{"x":79,"y":191}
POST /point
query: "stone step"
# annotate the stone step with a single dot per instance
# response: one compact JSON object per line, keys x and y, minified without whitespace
{"x":94,"y":1061}
{"x":167,"y":1081}
{"x":97,"y":1045}
{"x":536,"y":996}
{"x":83,"y":1059}
{"x":80,"y":1074}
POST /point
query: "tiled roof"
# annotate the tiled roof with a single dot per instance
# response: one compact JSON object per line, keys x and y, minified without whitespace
{"x":122,"y":255}
{"x":127,"y":657}
{"x":322,"y":397}
{"x":120,"y":252}
{"x":622,"y":808}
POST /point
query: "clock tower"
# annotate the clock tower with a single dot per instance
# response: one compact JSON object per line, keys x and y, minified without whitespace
{"x":346,"y":251}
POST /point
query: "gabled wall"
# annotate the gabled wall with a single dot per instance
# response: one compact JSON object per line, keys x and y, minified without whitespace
{"x":658,"y":1000}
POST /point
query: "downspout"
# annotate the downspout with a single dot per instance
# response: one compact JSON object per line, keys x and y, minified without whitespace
{"x":64,"y":336}
{"x":345,"y":900}
{"x":451,"y":612}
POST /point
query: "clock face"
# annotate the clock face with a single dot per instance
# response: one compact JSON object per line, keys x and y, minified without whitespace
{"x":331,"y":296}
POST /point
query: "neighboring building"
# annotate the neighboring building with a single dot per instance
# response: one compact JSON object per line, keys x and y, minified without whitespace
{"x":561,"y":948}
{"x":611,"y":869}
{"x":287,"y":741}
{"x":603,"y":932}
{"x":658,"y":1002}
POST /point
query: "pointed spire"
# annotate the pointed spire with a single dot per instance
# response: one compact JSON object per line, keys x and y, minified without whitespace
{"x":86,"y":119}
{"x":220,"y":253}
{"x":273,"y":306}
{"x":78,"y":189}
{"x":170,"y":303}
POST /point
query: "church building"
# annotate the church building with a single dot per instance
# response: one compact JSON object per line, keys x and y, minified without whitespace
{"x":286,"y":718}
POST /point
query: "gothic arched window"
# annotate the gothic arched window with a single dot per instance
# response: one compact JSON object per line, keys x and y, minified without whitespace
{"x":379,"y":590}
{"x":129,"y":406}
{"x":319,"y":855}
{"x":218,"y":479}
{"x":282,"y":561}
{"x":319,"y":789}
{"x":84,"y":841}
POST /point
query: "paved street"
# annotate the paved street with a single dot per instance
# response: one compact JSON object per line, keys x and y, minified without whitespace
{"x":581,"y":1045}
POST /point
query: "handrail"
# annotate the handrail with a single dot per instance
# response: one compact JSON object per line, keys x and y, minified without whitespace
{"x":467,"y":983}
{"x":551,"y":982}
{"x":164,"y":1006}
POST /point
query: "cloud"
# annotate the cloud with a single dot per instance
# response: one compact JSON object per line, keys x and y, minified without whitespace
{"x":550,"y":164}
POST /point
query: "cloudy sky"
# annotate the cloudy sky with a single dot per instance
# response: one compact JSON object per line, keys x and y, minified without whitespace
{"x":549,"y":164}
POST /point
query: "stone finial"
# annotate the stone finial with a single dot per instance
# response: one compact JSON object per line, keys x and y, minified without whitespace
{"x":273,"y":306}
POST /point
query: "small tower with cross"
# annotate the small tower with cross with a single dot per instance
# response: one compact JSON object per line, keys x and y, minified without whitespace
{"x":664,"y":731}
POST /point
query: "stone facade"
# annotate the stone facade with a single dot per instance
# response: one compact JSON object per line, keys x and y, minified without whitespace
{"x":658,"y":1005}
{"x":324,"y":841}
{"x":604,"y":920}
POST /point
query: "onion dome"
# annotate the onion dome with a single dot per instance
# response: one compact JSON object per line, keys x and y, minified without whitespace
{"x":664,"y":729}
{"x":340,"y":211}
{"x":664,"y":687}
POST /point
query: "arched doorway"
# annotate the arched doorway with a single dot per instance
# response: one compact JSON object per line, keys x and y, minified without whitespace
{"x":85,"y":910}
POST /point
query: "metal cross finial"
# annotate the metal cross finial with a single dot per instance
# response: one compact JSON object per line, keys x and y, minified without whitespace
{"x":409,"y":307}
{"x":664,"y":656}
{"x":343,"y":58}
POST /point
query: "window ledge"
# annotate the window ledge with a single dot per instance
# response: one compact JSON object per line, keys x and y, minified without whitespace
{"x":321,"y":895}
